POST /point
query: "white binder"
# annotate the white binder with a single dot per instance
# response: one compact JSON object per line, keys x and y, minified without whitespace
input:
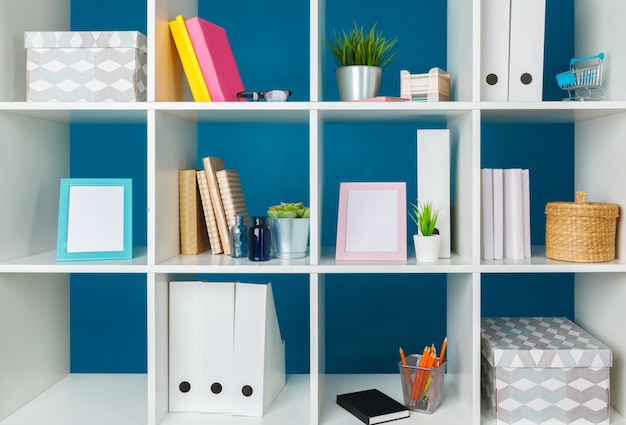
{"x":433,"y":179}
{"x":217,"y":335}
{"x":526,"y":50}
{"x":494,"y":67}
{"x":185,"y":393}
{"x":259,"y":352}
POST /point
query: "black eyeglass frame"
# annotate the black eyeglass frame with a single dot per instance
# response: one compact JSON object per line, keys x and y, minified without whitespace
{"x":256,"y":96}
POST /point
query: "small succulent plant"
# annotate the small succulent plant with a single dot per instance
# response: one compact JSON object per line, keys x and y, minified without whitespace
{"x":289,"y":210}
{"x":424,"y":217}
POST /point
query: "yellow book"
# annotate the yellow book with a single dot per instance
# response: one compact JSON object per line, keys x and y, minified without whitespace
{"x":188,"y":58}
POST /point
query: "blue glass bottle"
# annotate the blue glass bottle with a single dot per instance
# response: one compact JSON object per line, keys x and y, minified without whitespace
{"x":259,"y":240}
{"x":239,"y":238}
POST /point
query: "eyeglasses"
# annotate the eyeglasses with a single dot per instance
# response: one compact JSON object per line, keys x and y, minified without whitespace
{"x":269,"y":96}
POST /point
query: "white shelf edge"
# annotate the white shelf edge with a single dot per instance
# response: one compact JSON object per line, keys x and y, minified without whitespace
{"x":95,"y":399}
{"x":45,"y":262}
{"x":208,"y":263}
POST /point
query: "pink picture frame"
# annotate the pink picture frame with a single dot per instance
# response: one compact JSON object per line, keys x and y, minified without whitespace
{"x":371,"y":224}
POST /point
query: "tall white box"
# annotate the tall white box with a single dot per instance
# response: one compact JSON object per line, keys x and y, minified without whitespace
{"x":96,"y":66}
{"x":433,"y":179}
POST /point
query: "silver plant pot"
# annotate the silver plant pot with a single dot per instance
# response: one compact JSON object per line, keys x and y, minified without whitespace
{"x":357,"y":82}
{"x":290,"y":237}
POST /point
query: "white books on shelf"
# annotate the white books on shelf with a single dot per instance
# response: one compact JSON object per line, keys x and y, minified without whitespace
{"x":526,"y":211}
{"x":185,"y":393}
{"x":498,"y":213}
{"x":217,"y":334}
{"x":259,"y":351}
{"x":433,"y":179}
{"x":526,"y":50}
{"x":494,"y":75}
{"x":513,"y":214}
{"x":486,"y":217}
{"x":505,"y":214}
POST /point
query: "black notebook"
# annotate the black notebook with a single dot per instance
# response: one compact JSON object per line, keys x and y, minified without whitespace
{"x":372,"y":406}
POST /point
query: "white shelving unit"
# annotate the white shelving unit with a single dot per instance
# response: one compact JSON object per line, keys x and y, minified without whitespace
{"x":35,"y":383}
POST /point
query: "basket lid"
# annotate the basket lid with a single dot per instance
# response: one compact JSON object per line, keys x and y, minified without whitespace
{"x":582,"y":208}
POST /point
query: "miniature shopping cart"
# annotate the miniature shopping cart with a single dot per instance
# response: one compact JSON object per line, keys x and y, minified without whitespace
{"x":583,"y":81}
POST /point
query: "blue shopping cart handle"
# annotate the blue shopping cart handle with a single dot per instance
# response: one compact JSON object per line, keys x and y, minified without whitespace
{"x":599,"y":56}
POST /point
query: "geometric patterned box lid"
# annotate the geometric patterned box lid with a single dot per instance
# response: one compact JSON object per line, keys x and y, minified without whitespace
{"x":540,"y":342}
{"x":88,"y":39}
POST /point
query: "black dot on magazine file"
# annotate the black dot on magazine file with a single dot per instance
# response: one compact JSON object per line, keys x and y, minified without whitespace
{"x":216,"y":388}
{"x":526,"y":78}
{"x":184,"y":387}
{"x":492,"y":79}
{"x":246,"y":390}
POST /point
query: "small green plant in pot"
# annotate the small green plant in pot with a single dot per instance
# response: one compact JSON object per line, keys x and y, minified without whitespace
{"x":287,"y":210}
{"x":360,"y":57}
{"x":289,"y":227}
{"x":424,"y":215}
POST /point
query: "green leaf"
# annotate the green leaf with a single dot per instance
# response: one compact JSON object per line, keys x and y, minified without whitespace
{"x":359,"y":48}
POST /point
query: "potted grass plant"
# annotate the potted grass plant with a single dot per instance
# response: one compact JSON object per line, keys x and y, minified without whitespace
{"x":427,"y":240}
{"x":360,"y":57}
{"x":289,"y":227}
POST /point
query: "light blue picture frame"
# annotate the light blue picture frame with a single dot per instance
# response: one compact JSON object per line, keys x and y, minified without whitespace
{"x":95,"y":219}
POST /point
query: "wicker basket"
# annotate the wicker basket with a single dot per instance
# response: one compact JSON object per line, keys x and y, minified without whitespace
{"x":581,"y":231}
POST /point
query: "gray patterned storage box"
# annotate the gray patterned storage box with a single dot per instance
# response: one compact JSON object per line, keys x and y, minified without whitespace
{"x":97,"y":66}
{"x":544,"y":370}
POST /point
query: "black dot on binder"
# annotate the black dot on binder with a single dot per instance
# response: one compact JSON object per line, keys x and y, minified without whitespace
{"x":246,"y":390}
{"x":492,"y":79}
{"x":526,"y":78}
{"x":184,"y":387}
{"x":216,"y":388}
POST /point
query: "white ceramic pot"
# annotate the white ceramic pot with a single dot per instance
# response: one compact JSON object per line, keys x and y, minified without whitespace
{"x":426,"y":248}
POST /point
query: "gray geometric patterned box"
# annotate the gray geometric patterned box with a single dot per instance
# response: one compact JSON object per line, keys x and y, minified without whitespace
{"x":543,"y":370}
{"x":86,"y":66}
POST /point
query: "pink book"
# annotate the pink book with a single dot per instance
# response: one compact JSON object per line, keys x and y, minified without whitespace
{"x":216,"y":59}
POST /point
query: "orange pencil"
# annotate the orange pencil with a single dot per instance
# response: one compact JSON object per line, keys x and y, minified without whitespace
{"x":406,"y":369}
{"x":431,"y":363}
{"x":419,"y":374}
{"x":443,"y":350}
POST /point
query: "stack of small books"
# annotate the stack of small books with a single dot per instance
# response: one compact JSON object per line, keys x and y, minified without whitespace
{"x":209,"y":201}
{"x":207,"y":59}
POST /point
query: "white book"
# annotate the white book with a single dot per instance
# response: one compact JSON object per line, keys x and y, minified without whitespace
{"x":433,"y":179}
{"x":513,"y":214}
{"x":498,"y":213}
{"x":486,"y":216}
{"x":494,"y":72}
{"x":526,"y":211}
{"x":526,"y":50}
